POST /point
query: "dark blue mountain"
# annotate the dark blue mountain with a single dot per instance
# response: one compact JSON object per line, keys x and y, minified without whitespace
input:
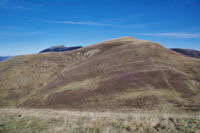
{"x":2,"y":58}
{"x":60,"y":49}
{"x":188,"y":52}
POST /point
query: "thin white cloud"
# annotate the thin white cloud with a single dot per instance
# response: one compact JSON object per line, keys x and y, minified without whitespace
{"x":18,"y":8}
{"x":172,"y":34}
{"x":11,"y":28}
{"x":84,"y":23}
{"x":8,"y":34}
{"x":18,"y":5}
{"x":99,"y":24}
{"x":124,"y":18}
{"x":35,"y":33}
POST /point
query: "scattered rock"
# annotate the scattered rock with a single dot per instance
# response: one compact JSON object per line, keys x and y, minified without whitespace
{"x":159,"y":126}
{"x":2,"y":124}
{"x":171,"y":119}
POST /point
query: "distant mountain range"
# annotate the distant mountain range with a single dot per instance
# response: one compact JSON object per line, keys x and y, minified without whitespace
{"x":60,"y":48}
{"x":2,"y":58}
{"x":188,"y":52}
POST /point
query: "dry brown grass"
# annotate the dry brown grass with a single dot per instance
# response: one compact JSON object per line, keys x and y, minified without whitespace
{"x":110,"y":75}
{"x":63,"y":121}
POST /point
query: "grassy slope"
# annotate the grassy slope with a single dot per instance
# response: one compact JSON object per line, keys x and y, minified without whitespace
{"x":122,"y":74}
{"x":22,"y":76}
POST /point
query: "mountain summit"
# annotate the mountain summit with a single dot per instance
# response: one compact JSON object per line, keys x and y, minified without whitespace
{"x":121,"y":74}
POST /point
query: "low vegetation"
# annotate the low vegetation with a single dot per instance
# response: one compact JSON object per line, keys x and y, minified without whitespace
{"x":62,"y":121}
{"x":142,"y":80}
{"x":123,"y":74}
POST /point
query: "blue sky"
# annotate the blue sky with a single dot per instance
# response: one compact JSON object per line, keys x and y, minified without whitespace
{"x":29,"y":26}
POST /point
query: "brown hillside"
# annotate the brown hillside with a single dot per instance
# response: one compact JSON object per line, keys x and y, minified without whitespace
{"x":121,"y":74}
{"x":188,"y":52}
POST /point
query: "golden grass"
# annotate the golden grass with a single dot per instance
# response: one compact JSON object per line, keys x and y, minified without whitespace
{"x":29,"y":79}
{"x":65,"y":121}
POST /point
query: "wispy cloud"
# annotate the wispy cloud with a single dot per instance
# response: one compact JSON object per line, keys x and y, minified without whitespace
{"x":9,"y":34}
{"x":18,"y":8}
{"x":11,"y":28}
{"x":124,"y":18}
{"x":18,"y":5}
{"x":84,"y":23}
{"x":172,"y":34}
{"x":100,"y":24}
{"x":35,"y":33}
